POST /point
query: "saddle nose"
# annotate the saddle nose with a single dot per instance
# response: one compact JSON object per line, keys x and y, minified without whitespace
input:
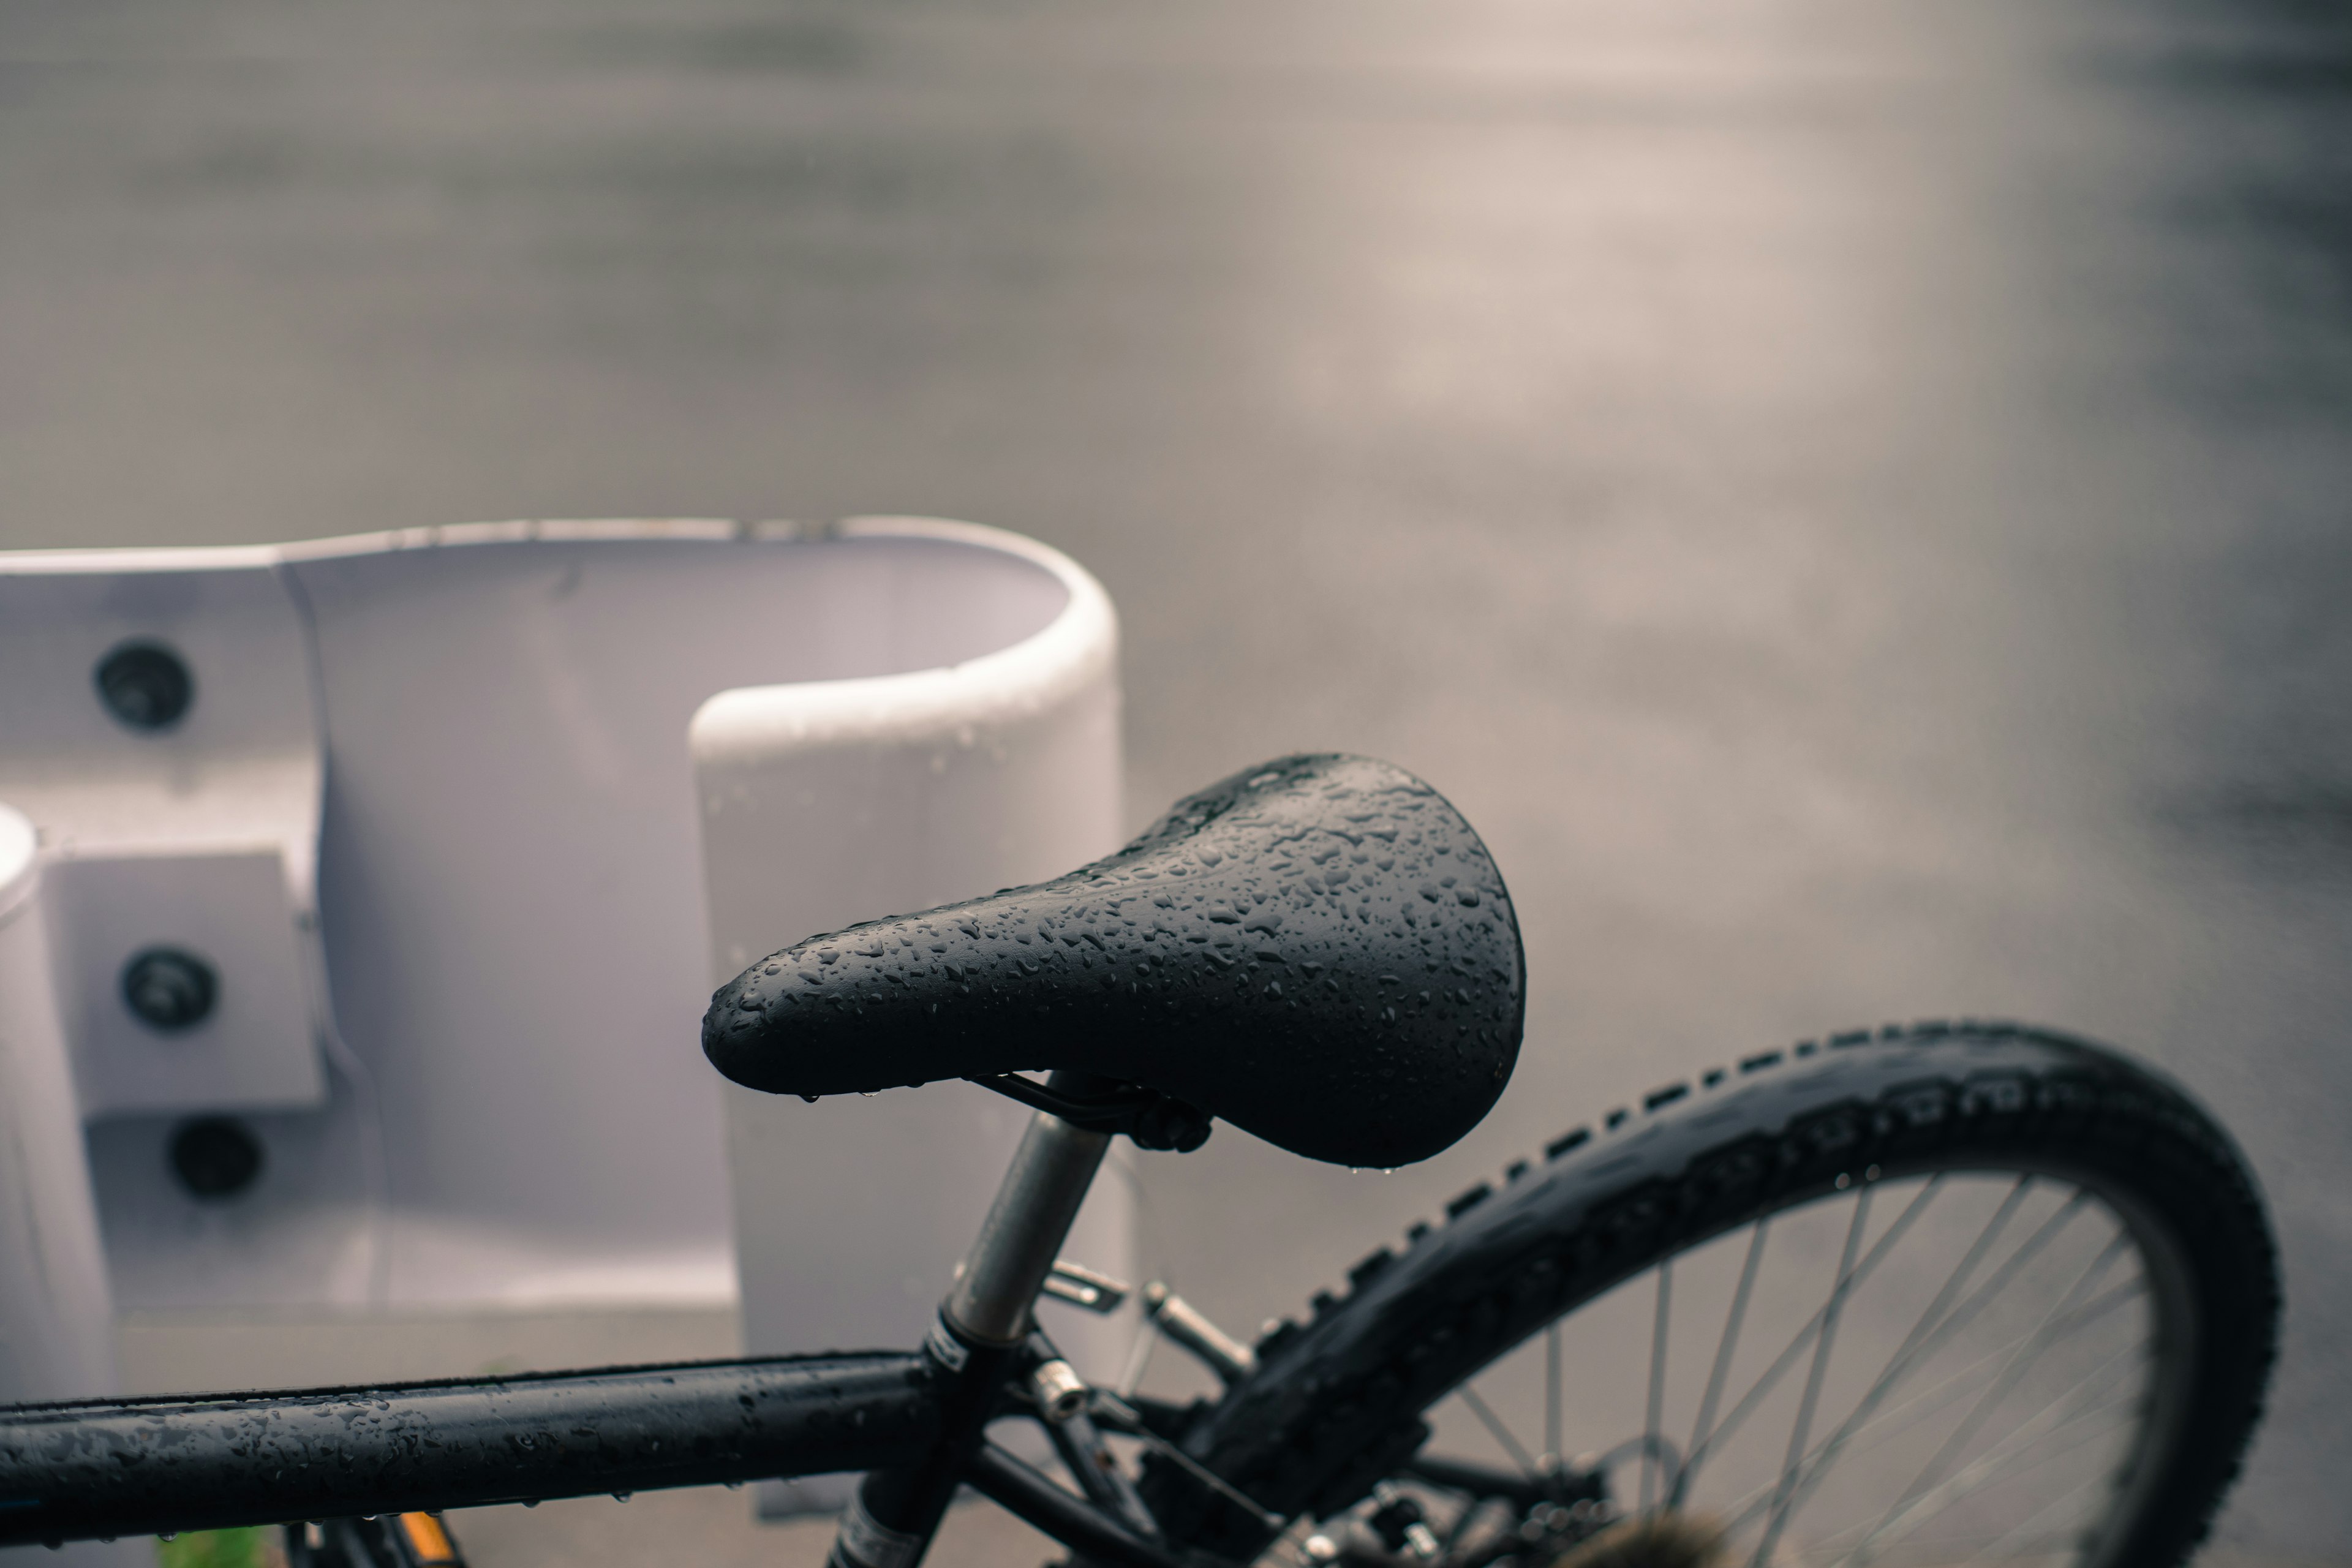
{"x":1319,"y":950}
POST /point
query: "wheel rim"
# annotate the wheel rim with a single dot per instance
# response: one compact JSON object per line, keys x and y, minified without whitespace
{"x":1919,"y":1370}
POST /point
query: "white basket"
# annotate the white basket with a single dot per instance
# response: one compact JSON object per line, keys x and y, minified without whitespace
{"x":435,"y":820}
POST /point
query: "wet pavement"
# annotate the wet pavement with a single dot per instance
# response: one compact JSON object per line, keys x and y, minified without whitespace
{"x":1851,"y":498}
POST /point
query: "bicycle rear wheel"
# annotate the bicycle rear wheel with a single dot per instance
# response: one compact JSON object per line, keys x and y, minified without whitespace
{"x":1934,"y":1297}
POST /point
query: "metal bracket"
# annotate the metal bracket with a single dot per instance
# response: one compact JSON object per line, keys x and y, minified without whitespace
{"x":1082,"y":1287}
{"x":164,"y":734}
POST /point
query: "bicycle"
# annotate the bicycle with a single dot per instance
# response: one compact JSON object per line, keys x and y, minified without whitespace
{"x":2068,"y":1257}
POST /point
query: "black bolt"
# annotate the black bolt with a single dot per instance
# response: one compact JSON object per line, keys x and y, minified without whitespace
{"x":215,"y":1156}
{"x":145,"y":685}
{"x":169,"y":990}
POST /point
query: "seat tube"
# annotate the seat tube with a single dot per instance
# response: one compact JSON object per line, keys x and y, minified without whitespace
{"x":979,"y":1331}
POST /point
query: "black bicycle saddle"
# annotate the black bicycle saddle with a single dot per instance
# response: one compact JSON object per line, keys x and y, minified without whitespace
{"x":1319,"y":950}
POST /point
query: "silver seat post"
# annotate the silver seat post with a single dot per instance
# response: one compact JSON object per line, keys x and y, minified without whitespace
{"x":1035,"y":1206}
{"x":890,"y":1521}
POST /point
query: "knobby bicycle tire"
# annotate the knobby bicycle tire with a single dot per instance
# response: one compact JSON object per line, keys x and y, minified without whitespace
{"x":1337,"y":1403}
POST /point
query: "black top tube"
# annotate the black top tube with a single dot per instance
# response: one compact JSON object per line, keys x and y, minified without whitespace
{"x":96,"y":1469}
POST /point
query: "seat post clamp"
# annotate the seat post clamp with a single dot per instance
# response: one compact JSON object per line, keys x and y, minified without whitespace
{"x":947,"y":1352}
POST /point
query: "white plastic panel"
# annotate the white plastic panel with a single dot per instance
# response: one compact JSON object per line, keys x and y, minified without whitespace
{"x":513,"y":954}
{"x":56,"y":1334}
{"x":56,"y":1338}
{"x":256,"y":1048}
{"x":511,"y":886}
{"x":57,"y":1329}
{"x":828,"y":803}
{"x":201,"y":836}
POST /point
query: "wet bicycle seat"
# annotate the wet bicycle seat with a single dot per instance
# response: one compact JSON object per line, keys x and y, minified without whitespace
{"x":1319,"y":950}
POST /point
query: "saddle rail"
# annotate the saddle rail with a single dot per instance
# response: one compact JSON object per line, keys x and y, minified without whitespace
{"x":104,"y":1469}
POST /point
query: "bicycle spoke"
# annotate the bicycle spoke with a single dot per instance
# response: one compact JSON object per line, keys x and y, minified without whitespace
{"x":1139,"y":1356}
{"x":1913,"y":1509}
{"x":1652,"y":1466}
{"x":2046,"y":1422}
{"x":1960,"y":1316}
{"x":1822,"y":1344}
{"x":1911,"y":1350}
{"x":1964,"y":1381}
{"x":2003,"y":1546}
{"x":1920,"y":1406}
{"x":2044,"y":1335}
{"x":1796,"y":1347}
{"x":1991,"y":1467}
{"x":1916,"y":1350}
{"x":1501,"y":1433}
{"x":1724,"y":1346}
{"x":1994,"y":1423}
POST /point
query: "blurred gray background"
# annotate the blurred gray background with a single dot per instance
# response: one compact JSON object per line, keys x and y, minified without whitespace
{"x":1850,"y":496}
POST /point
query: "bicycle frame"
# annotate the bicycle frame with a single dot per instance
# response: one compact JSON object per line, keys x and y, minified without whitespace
{"x":73,"y":1471}
{"x":913,"y":1422}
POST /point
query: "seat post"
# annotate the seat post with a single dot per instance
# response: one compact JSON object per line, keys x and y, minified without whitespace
{"x":1035,"y":1206}
{"x":890,"y":1521}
